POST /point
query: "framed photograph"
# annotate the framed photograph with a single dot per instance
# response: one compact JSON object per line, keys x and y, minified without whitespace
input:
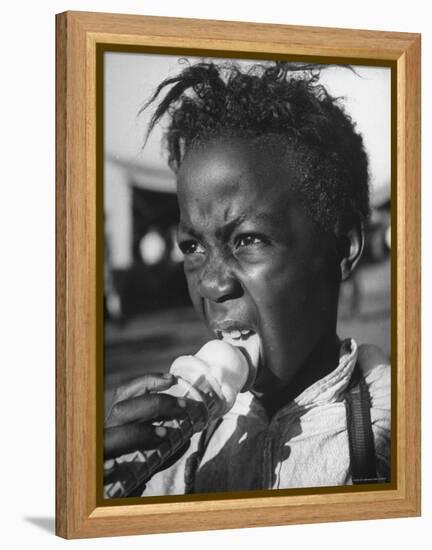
{"x":238,"y":275}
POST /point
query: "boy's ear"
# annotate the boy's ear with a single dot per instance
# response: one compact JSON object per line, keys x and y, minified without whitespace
{"x":350,"y":246}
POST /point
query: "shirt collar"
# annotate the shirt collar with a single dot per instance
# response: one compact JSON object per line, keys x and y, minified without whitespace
{"x":329,"y":389}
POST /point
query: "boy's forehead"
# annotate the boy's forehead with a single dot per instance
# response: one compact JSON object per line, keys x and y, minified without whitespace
{"x":229,"y":166}
{"x":228,"y":185}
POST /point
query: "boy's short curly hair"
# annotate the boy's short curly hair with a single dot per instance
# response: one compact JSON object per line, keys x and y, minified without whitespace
{"x":208,"y":100}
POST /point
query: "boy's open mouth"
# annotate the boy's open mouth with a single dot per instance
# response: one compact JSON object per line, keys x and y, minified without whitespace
{"x":234,"y":334}
{"x":241,"y":336}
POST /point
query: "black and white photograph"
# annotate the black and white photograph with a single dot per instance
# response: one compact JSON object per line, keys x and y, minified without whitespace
{"x":247,"y":275}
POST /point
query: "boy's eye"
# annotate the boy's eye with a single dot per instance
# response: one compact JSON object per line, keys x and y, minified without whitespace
{"x":249,"y":239}
{"x":191,"y":247}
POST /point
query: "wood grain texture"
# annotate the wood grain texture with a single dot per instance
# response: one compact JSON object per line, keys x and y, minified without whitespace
{"x":229,"y":35}
{"x":77,"y":513}
{"x":62,"y":449}
{"x":412,"y":263}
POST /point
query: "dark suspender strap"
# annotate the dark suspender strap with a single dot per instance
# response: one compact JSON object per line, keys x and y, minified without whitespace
{"x":360,"y":435}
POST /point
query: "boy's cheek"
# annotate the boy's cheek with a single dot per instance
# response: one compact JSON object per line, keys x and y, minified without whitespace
{"x":325,"y":265}
{"x":193,"y":289}
{"x":192,"y":280}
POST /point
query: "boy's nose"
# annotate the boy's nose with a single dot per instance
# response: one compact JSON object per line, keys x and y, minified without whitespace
{"x":218,"y":283}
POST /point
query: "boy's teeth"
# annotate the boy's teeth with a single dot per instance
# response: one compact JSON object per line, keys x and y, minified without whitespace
{"x":236,"y":334}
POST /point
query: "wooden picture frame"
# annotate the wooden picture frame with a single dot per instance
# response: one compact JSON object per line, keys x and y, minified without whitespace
{"x":78,"y":258}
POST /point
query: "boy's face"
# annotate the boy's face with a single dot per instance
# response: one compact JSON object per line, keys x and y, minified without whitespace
{"x":255,"y":262}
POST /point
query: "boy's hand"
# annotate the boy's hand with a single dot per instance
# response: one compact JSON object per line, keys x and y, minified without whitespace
{"x":136,"y":405}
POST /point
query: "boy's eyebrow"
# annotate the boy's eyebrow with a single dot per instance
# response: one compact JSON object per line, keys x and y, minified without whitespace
{"x":253,"y":216}
{"x":186,"y":228}
{"x":228,"y":228}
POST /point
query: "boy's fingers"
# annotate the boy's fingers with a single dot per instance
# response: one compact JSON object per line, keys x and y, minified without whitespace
{"x":144,"y":384}
{"x":145,"y":408}
{"x":132,"y":437}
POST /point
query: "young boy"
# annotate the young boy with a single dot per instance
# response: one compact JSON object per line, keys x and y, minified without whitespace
{"x":273,"y":195}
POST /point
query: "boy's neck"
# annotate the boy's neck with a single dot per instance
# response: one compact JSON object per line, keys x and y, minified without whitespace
{"x":320,"y":363}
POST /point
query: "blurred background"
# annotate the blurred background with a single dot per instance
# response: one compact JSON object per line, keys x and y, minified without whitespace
{"x":148,"y":317}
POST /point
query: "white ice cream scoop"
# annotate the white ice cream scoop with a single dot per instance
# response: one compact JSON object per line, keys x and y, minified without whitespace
{"x":227,"y":368}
